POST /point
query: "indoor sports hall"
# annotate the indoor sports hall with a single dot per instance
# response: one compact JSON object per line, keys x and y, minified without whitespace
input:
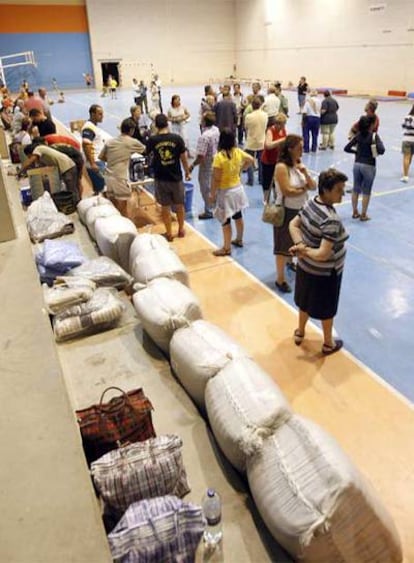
{"x":362,"y":396}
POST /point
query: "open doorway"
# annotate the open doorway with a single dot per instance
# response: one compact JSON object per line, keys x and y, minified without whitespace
{"x":110,"y":68}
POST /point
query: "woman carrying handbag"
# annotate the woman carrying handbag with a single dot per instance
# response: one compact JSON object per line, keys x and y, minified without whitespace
{"x":292,"y":182}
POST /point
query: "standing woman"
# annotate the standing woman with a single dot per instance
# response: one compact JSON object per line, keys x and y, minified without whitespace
{"x":329,"y":120}
{"x":292,"y":182}
{"x":365,"y":145}
{"x":227,"y":191}
{"x":302,"y":91}
{"x":319,"y":243}
{"x":178,"y":115}
{"x":311,"y":121}
{"x":275,"y":135}
{"x":408,"y":143}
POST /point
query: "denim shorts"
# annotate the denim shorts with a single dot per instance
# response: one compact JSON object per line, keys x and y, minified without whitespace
{"x":364,"y":175}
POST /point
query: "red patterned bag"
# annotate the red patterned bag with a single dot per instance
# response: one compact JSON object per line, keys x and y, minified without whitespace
{"x":121,"y":421}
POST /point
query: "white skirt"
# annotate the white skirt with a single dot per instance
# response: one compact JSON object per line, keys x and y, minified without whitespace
{"x":229,"y":202}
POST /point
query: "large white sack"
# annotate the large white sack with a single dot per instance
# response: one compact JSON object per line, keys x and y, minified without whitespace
{"x":146,"y":242}
{"x":164,"y":306}
{"x":198,"y":353}
{"x":316,"y":503}
{"x":159,"y":263}
{"x":97,"y":212}
{"x":114,"y":236}
{"x":88,"y":202}
{"x":244,"y":406}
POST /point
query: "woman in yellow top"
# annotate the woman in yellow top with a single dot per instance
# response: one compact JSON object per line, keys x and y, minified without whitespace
{"x":227,"y":192}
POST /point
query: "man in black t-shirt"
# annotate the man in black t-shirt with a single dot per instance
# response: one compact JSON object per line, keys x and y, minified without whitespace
{"x":168,"y":154}
{"x":44,"y":125}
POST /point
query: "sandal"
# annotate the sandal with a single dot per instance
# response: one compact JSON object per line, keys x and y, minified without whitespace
{"x":170,"y":238}
{"x":283,"y":287}
{"x":298,"y":337}
{"x":181,"y":234}
{"x":237,"y":242}
{"x":355,"y":215}
{"x":364,"y":218}
{"x":327,"y":349}
{"x":222,"y":252}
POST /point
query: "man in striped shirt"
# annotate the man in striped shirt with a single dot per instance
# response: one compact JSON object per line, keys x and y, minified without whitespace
{"x":206,"y":149}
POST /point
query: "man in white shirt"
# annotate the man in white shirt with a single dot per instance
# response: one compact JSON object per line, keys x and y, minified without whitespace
{"x":93,"y":140}
{"x":117,"y":153}
{"x":272,"y":103}
{"x":255,"y":124}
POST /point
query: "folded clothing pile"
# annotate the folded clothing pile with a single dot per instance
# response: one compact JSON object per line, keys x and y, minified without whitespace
{"x":44,"y":220}
{"x":66,"y":292}
{"x":104,"y":272}
{"x":100,"y":313}
{"x":54,"y":258}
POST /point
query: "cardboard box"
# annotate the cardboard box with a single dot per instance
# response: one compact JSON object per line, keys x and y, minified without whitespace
{"x":43,"y":179}
{"x":76,"y":126}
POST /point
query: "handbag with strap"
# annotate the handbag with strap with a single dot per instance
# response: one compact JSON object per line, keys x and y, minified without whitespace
{"x":123,"y":420}
{"x":273,"y":212}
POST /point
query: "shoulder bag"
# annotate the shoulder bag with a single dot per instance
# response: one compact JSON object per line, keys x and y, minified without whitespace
{"x":273,"y":212}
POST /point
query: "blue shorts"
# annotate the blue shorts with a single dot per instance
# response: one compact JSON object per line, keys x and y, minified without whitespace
{"x":364,"y":175}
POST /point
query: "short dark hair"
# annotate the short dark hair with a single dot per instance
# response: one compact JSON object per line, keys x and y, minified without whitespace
{"x":34,"y":112}
{"x":209,"y":118}
{"x":127,"y":126}
{"x":161,"y":121}
{"x":256,"y":102}
{"x":364,"y":124}
{"x":28,"y":149}
{"x":329,"y":178}
{"x":290,"y":142}
{"x":94,"y":108}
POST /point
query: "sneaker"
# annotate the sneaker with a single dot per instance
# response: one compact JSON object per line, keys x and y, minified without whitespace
{"x":404,"y":179}
{"x":205,"y":215}
{"x":322,"y":148}
{"x":284,"y":287}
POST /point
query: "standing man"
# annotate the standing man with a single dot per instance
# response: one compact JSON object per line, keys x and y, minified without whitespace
{"x":158,"y":85}
{"x":206,"y":149}
{"x":302,"y":91}
{"x":169,"y":152}
{"x":226,"y":111}
{"x":117,"y":153}
{"x":255,"y":124}
{"x":238,"y":99}
{"x":46,"y":102}
{"x":272,"y":103}
{"x":329,"y":120}
{"x":93,"y":140}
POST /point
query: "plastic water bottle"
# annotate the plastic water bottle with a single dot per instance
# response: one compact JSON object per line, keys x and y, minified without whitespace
{"x":212,"y":512}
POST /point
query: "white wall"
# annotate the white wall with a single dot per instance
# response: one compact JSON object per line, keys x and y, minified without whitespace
{"x":187,"y":41}
{"x":338,"y":43}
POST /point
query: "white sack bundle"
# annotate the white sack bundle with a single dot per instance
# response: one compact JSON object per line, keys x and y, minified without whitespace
{"x":164,"y":306}
{"x":97,"y":212}
{"x":114,"y":236}
{"x":88,"y":202}
{"x":244,"y":406}
{"x":316,"y":503}
{"x":198,"y":353}
{"x":144,"y":243}
{"x":100,"y":313}
{"x":160,"y":263}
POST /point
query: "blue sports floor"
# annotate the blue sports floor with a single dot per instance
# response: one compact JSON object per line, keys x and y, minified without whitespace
{"x":375,"y":316}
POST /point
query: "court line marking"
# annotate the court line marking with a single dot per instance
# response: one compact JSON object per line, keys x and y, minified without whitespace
{"x":292,"y":309}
